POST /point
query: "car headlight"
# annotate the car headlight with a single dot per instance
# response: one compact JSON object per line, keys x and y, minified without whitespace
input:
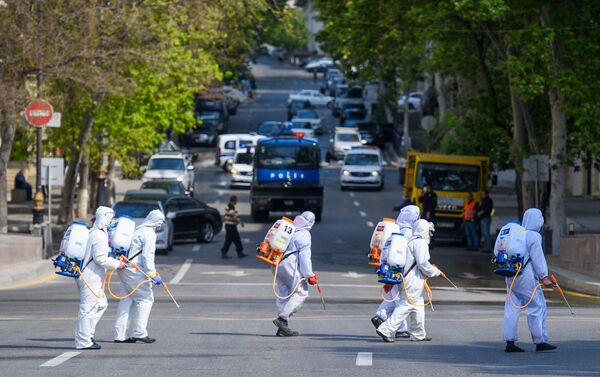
{"x":375,"y":173}
{"x":346,"y":172}
{"x":233,"y":171}
{"x":180,"y":179}
{"x":144,"y":179}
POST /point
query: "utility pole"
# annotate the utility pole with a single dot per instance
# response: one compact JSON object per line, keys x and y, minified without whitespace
{"x":38,"y":197}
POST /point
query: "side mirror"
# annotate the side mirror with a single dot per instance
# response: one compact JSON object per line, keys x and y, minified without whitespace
{"x":190,"y":167}
{"x":171,"y":215}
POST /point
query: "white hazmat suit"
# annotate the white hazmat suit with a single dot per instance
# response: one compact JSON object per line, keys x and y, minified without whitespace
{"x":296,"y":264}
{"x":95,"y":263}
{"x":525,"y":284}
{"x":418,"y":253}
{"x":134,"y":311}
{"x":406,"y":219}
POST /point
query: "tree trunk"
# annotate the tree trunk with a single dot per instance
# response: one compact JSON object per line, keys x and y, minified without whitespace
{"x":525,"y":193}
{"x":441,"y":98}
{"x":66,"y":213}
{"x":406,"y":141}
{"x":83,"y":192}
{"x":8,"y":126}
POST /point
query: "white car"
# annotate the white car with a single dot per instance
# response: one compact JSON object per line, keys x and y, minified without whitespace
{"x":229,"y":144}
{"x":170,"y":166}
{"x":241,"y":170}
{"x":304,"y":128}
{"x":319,"y":65}
{"x":309,"y":116}
{"x":415,"y":101}
{"x":315,"y":97}
{"x":343,"y":141}
{"x":363,"y":167}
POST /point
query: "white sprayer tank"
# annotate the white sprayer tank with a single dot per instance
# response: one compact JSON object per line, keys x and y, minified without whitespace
{"x":395,"y":250}
{"x":512,"y":241}
{"x":75,"y":240}
{"x":382,"y":232}
{"x":123,"y":234}
{"x":280,"y":234}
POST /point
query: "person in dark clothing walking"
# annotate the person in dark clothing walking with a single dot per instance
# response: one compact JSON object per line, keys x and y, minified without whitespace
{"x":484,"y":213}
{"x":429,"y":202}
{"x":232,"y":219}
{"x":21,"y":183}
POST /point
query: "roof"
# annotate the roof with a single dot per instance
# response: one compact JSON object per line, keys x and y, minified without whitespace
{"x":287,"y":140}
{"x":167,"y":155}
{"x":346,"y":130}
{"x":448,"y":158}
{"x":365,"y":150}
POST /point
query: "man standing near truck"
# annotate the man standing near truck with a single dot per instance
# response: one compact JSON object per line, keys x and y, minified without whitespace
{"x":429,"y":202}
{"x":484,"y":213}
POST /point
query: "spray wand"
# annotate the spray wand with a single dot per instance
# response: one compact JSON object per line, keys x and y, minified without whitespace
{"x":562,"y":293}
{"x":164,"y":285}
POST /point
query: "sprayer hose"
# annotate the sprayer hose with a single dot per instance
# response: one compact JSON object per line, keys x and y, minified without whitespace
{"x":511,"y":289}
{"x":77,"y":269}
{"x":110,"y":274}
{"x":275,"y":288}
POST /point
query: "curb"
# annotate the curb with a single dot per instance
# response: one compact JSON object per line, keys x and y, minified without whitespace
{"x":26,"y":274}
{"x":577,"y":282}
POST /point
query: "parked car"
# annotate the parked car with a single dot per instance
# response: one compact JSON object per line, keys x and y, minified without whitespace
{"x":241,"y":170}
{"x":206,"y":131}
{"x":170,"y":166}
{"x":319,"y":65}
{"x":312,"y":117}
{"x":214,"y":104}
{"x":368,"y":130}
{"x":229,"y":144}
{"x":336,"y":85}
{"x":191,"y":218}
{"x":362,"y":167}
{"x":170,"y":187}
{"x":315,"y":97}
{"x":302,"y":128}
{"x":415,"y":101}
{"x":343,"y":140}
{"x":294,"y":106}
{"x":138,"y":210}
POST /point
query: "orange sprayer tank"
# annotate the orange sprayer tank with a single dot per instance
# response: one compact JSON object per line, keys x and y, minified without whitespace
{"x":276,"y":241}
{"x":382,"y":232}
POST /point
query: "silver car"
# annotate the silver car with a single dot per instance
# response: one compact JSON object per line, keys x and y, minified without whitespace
{"x":138,"y":210}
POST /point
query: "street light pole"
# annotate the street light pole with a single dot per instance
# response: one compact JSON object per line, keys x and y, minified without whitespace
{"x":38,"y":197}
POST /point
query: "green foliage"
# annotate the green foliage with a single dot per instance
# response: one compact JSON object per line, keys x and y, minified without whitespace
{"x":285,"y":28}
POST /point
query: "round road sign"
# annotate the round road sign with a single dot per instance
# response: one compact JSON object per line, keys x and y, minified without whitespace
{"x":38,"y":112}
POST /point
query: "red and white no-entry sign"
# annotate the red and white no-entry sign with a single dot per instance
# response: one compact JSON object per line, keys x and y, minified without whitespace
{"x":38,"y":112}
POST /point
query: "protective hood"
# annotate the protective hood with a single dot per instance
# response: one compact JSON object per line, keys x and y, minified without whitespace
{"x":421,"y":230}
{"x":154,"y":220}
{"x":304,"y":221}
{"x":533,"y":219}
{"x":104,"y":216}
{"x":408,"y":216}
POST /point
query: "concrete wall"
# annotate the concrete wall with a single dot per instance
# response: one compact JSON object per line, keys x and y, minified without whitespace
{"x":580,"y":253}
{"x":19,"y":248}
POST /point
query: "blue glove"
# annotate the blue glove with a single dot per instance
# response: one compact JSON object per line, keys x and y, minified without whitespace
{"x":156,"y":279}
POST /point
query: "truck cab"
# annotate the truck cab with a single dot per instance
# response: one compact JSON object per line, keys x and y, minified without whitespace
{"x":452,"y":177}
{"x":286,"y":177}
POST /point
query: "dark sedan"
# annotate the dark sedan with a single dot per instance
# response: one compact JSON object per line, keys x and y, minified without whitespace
{"x":191,"y":218}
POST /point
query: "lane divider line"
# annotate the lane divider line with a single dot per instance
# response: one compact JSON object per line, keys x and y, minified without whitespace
{"x":356,"y":203}
{"x":364,"y":359}
{"x":370,"y":224}
{"x":60,"y":359}
{"x":352,"y":195}
{"x":182,"y":271}
{"x":363,"y":213}
{"x":196,"y":248}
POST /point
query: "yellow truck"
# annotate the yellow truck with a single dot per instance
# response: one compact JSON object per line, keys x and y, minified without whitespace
{"x":452,"y":177}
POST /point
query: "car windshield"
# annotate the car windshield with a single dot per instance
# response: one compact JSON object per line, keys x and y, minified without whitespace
{"x":305,"y":125}
{"x":135,"y":210}
{"x":288,"y":156}
{"x":307,"y":114}
{"x":354,"y":114}
{"x":171,"y":187}
{"x":166,"y":164}
{"x":270,"y":128}
{"x":448,"y":177}
{"x":362,"y":159}
{"x":348,"y":137}
{"x":244,"y":158}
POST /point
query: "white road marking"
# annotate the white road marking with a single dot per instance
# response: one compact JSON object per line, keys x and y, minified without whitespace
{"x":352,"y":195}
{"x":470,"y":276}
{"x":182,"y":271}
{"x":60,"y":359}
{"x":196,"y":248}
{"x":370,"y":224}
{"x":246,"y":240}
{"x":363,"y":213}
{"x":339,"y":241}
{"x":364,"y":359}
{"x":356,"y":203}
{"x":236,"y":273}
{"x":353,"y":274}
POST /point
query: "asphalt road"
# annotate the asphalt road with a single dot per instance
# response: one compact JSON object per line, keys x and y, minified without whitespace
{"x":224,"y":328}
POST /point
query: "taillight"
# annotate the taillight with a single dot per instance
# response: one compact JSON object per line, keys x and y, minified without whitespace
{"x":298,"y":134}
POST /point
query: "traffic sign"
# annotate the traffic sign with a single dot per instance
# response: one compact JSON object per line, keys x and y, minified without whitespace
{"x":38,"y":113}
{"x":53,"y":167}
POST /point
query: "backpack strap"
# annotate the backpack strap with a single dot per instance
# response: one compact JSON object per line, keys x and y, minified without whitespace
{"x":411,"y":267}
{"x":287,"y":255}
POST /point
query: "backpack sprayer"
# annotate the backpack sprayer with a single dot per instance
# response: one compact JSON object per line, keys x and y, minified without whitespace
{"x":510,"y":250}
{"x":382,"y":232}
{"x":72,"y":250}
{"x":120,"y":236}
{"x":272,"y":249}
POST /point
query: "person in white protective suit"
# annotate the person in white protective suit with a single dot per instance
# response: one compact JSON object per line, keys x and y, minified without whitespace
{"x":134,"y":311}
{"x":417,"y":261}
{"x":92,"y":300}
{"x":295,"y":265}
{"x":535,"y":268}
{"x":406,"y":219}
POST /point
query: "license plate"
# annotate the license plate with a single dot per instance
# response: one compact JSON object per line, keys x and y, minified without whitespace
{"x":444,"y":225}
{"x":288,"y":202}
